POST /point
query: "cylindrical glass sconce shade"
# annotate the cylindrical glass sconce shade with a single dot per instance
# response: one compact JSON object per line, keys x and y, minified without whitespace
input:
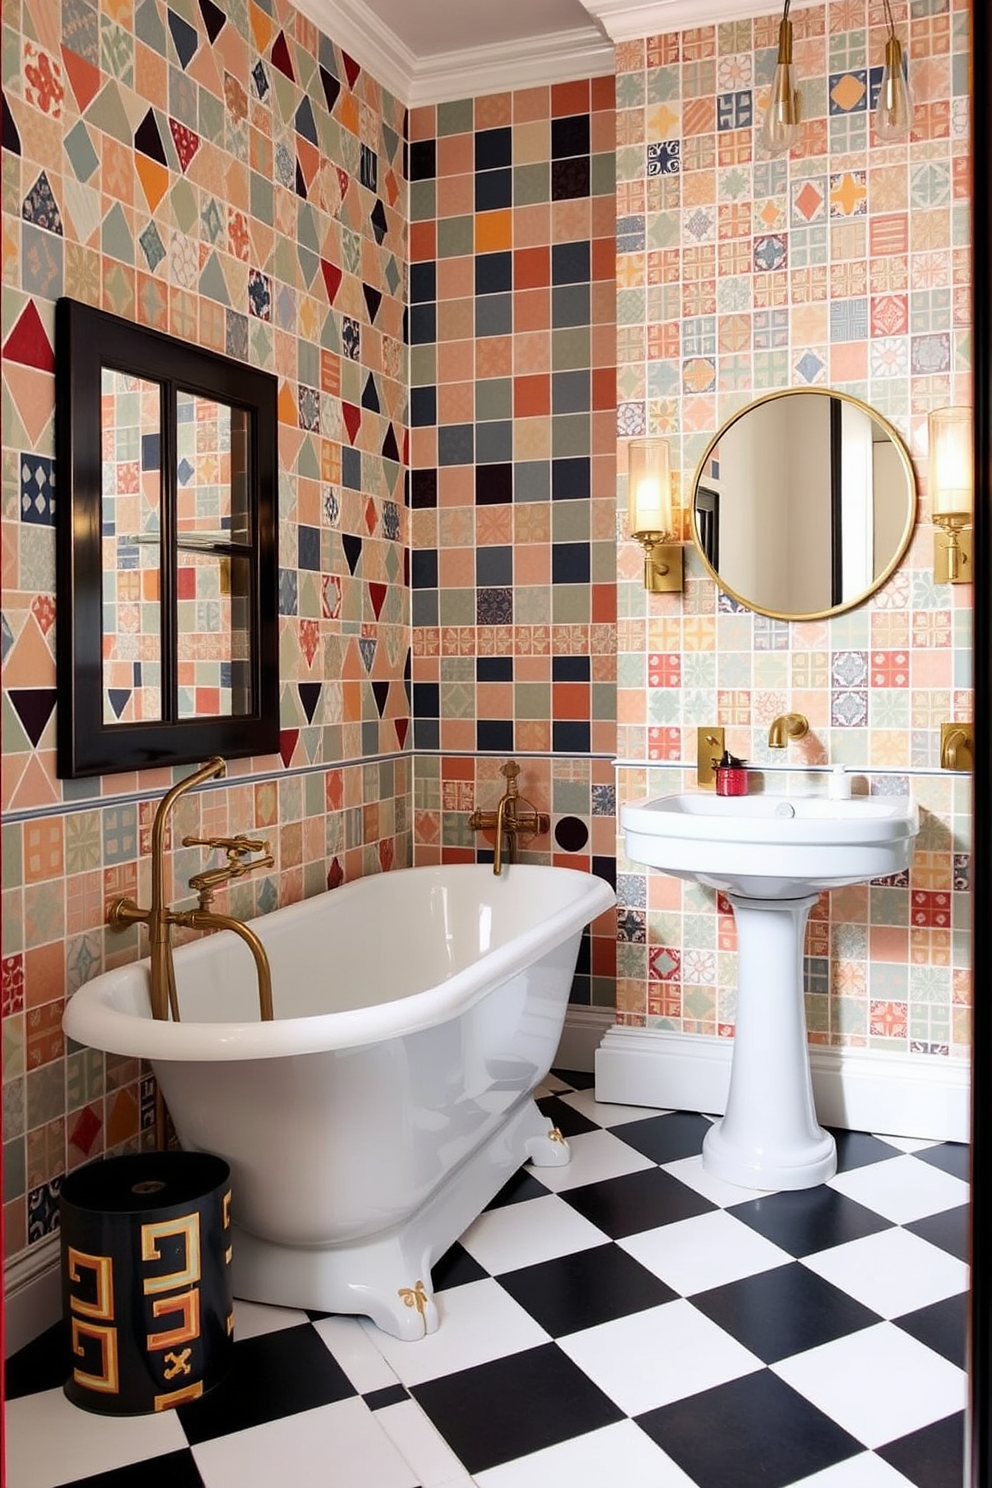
{"x":951,"y":467}
{"x":649,"y":487}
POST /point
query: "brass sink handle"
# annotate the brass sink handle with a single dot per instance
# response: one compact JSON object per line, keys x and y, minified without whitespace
{"x":239,"y":862}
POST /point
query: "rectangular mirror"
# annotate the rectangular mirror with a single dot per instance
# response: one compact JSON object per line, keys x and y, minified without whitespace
{"x":167,"y":556}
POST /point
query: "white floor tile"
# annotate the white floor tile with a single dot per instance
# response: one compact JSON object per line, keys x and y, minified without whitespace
{"x":335,"y":1446}
{"x":356,"y":1352}
{"x":863,"y":1471}
{"x":902,"y":1189}
{"x":418,"y":1442}
{"x":606,"y":1113}
{"x":48,"y":1441}
{"x":621,"y":1453}
{"x":595,"y":1156}
{"x":709,"y":1250}
{"x":905,"y":1144}
{"x":522,"y":1234}
{"x":690,"y":1171}
{"x":879,"y":1384}
{"x":251,"y":1319}
{"x":656,"y":1356}
{"x":892,"y":1273}
{"x":479,"y":1322}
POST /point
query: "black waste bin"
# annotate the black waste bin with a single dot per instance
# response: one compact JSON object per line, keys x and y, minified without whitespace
{"x":146,"y":1280}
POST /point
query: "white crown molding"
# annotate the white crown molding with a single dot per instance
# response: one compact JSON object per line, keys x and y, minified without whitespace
{"x":445,"y":76}
{"x":627,"y":20}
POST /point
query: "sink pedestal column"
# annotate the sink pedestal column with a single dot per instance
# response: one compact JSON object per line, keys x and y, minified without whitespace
{"x":769,"y":1137}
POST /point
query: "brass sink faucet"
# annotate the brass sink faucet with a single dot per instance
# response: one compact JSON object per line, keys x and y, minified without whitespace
{"x":159,"y":918}
{"x":785,"y":727}
{"x":508,"y":821}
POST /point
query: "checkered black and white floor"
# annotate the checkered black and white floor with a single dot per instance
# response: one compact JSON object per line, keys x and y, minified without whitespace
{"x":625,"y":1319}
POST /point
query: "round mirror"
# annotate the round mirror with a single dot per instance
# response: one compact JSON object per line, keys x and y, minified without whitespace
{"x":804,"y":504}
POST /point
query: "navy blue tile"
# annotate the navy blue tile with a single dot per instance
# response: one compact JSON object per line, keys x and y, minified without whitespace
{"x":271,"y":1376}
{"x":514,"y":1406}
{"x":171,"y":1470}
{"x":494,"y":735}
{"x":750,"y":1431}
{"x":931,"y":1458}
{"x":423,"y":324}
{"x":783,"y":1312}
{"x":493,"y":189}
{"x":585,"y":1288}
{"x":493,"y":273}
{"x":494,"y":668}
{"x":943,"y":1327}
{"x":809,"y":1220}
{"x":427,"y":699}
{"x":570,"y":263}
{"x":570,"y":563}
{"x":423,"y":406}
{"x":570,"y":478}
{"x":951,"y":1157}
{"x":493,"y":147}
{"x":423,"y":568}
{"x":950,"y":1230}
{"x":570,"y":669}
{"x":570,"y":737}
{"x":423,"y":281}
{"x":636,"y":1201}
{"x":666,"y":1138}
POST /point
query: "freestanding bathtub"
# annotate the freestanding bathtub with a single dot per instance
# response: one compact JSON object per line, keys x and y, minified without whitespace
{"x":391,"y":1097}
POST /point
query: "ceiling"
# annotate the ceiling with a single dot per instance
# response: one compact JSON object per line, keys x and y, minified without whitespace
{"x":430,"y":51}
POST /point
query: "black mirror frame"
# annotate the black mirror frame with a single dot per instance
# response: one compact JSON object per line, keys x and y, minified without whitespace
{"x":86,"y":341}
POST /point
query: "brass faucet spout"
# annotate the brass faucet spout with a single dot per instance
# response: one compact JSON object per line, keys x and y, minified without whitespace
{"x":787,"y":726}
{"x":203,"y":919}
{"x":508,"y":821}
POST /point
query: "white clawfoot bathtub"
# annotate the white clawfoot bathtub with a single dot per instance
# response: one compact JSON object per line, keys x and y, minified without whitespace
{"x":376,"y":1116}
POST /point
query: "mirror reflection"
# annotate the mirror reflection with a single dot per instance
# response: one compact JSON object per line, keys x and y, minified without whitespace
{"x":804,"y":503}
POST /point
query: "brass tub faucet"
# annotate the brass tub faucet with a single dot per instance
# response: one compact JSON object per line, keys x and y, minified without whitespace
{"x":159,"y":918}
{"x":509,"y":821}
{"x":785,"y":727}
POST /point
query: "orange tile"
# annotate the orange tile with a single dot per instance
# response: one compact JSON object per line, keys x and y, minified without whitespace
{"x":456,"y":195}
{"x":456,"y":485}
{"x":455,"y":320}
{"x":455,"y":277}
{"x":456,"y":402}
{"x":604,"y":259}
{"x":532,"y":395}
{"x":422,"y":122}
{"x":570,"y":699}
{"x":532,"y":734}
{"x":530,"y":104}
{"x":604,"y":388}
{"x":532,"y":349}
{"x":603,"y":94}
{"x":455,"y":361}
{"x":44,"y":974}
{"x":423,"y":447}
{"x":493,"y":231}
{"x":532,"y":225}
{"x":531,"y":310}
{"x":455,"y":154}
{"x":44,"y":849}
{"x":532,"y":268}
{"x":494,"y":356}
{"x":423,"y":241}
{"x":604,"y":604}
{"x":531,"y":668}
{"x":494,"y":700}
{"x":456,"y":568}
{"x":570,"y":98}
{"x":458,"y":733}
{"x":493,"y":110}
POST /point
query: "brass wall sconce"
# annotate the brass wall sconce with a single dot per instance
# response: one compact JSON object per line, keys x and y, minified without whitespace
{"x":649,"y":508}
{"x":894,"y":109}
{"x":783,"y":116}
{"x":952,"y":493}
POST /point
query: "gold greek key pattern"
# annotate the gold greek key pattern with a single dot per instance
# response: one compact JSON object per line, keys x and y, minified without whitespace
{"x":103,"y":1269}
{"x":178,"y":1397}
{"x":178,"y":1364}
{"x":187,"y":1303}
{"x":186,"y":1228}
{"x":107,"y":1382}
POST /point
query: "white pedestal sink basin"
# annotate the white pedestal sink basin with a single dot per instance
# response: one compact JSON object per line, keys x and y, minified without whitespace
{"x":771,"y":856}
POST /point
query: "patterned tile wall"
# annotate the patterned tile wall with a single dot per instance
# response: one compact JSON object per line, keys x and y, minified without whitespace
{"x":513,"y":473}
{"x":846,"y":264}
{"x":229,"y":175}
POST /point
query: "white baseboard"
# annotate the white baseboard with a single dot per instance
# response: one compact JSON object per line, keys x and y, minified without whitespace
{"x":900,"y":1095}
{"x":32,"y":1294}
{"x":584,"y":1031}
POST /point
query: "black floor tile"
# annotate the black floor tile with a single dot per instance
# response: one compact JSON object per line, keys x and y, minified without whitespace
{"x":271,"y":1376}
{"x":666,"y":1139}
{"x":578,"y":1079}
{"x":950,"y":1230}
{"x":943,"y":1326}
{"x":388,"y":1395}
{"x":754,"y":1430}
{"x":783,"y":1312}
{"x":569,"y":1121}
{"x":931,"y":1458}
{"x":636,"y":1202}
{"x":42,"y":1364}
{"x":514,"y":1405}
{"x":857,"y":1149}
{"x":171,"y":1470}
{"x":523,"y":1185}
{"x":809,"y":1219}
{"x":951,"y":1157}
{"x":456,"y":1267}
{"x":585,"y":1288}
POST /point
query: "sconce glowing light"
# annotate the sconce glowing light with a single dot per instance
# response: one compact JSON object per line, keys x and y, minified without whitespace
{"x":649,"y":511}
{"x":951,"y":487}
{"x":783,"y":116}
{"x":894,"y":109}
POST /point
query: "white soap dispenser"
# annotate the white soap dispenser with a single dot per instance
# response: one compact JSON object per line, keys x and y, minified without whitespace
{"x":839,"y":784}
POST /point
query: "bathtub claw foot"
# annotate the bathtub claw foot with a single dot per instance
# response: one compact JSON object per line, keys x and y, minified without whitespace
{"x":550,"y":1150}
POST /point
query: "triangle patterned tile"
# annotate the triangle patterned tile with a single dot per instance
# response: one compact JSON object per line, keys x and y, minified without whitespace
{"x":212,"y":283}
{"x":213,"y":19}
{"x":148,"y":27}
{"x":78,"y":146}
{"x":35,"y":787}
{"x":116,"y":239}
{"x":186,"y":141}
{"x":30,"y":660}
{"x":15,"y":762}
{"x":33,"y":394}
{"x":29,"y":343}
{"x":206,"y":71}
{"x":82,"y":209}
{"x":185,"y":39}
{"x":107,"y":112}
{"x":154,"y":179}
{"x":40,"y":206}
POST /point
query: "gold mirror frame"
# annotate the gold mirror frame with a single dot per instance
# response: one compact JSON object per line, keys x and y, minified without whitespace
{"x":905,"y":537}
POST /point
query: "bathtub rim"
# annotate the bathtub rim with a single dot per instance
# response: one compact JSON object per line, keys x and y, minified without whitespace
{"x":92,"y":1019}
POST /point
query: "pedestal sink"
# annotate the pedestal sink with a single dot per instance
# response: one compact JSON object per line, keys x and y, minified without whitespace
{"x":772,"y":856}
